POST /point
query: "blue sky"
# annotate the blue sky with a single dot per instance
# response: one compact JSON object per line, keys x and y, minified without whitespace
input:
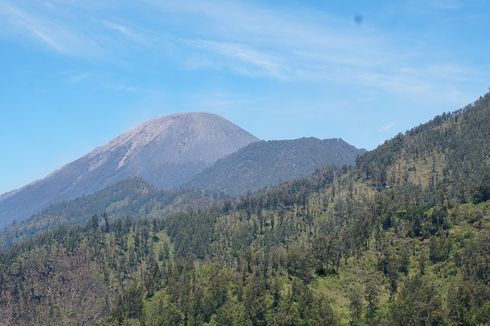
{"x":77,"y":73}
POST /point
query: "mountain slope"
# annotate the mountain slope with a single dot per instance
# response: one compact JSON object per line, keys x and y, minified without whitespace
{"x":130,"y":197}
{"x":268,"y":163}
{"x":447,"y":155}
{"x":167,"y":152}
{"x":401,"y":238}
{"x":255,"y":166}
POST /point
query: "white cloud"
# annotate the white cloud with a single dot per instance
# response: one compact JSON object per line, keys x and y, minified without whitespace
{"x":102,"y":80}
{"x":128,"y":32}
{"x":55,"y":35}
{"x":304,"y":45}
{"x":387,"y":127}
{"x":242,"y":59}
{"x":78,"y":77}
{"x":244,"y":38}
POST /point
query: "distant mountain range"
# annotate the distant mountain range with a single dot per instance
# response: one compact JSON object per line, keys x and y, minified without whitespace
{"x":179,"y":152}
{"x":167,"y":152}
{"x":268,"y":163}
{"x":402,"y":237}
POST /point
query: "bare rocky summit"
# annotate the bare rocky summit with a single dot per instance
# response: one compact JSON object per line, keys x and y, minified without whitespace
{"x":167,"y":152}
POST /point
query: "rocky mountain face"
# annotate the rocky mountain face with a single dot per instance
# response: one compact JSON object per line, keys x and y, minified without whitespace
{"x":267,"y":163}
{"x":167,"y":152}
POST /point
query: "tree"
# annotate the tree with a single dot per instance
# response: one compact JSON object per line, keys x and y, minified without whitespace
{"x":355,"y":299}
{"x":371,"y":296}
{"x":130,"y":304}
{"x":417,"y":304}
{"x":422,"y":260}
{"x":322,"y":312}
{"x":481,"y":192}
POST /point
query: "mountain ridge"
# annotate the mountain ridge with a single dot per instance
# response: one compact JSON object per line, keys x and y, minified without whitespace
{"x":400,"y":238}
{"x":255,"y":166}
{"x":268,"y":163}
{"x":167,"y":152}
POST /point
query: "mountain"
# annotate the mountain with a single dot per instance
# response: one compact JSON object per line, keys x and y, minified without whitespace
{"x":267,"y":163}
{"x":400,"y":238}
{"x":128,"y":198}
{"x":255,"y":166}
{"x":166,"y":152}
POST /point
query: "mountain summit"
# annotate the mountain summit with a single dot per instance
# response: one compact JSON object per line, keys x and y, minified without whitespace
{"x":167,"y":152}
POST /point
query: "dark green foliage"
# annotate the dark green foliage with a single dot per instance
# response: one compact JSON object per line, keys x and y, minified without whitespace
{"x":439,"y":249}
{"x":129,"y":304}
{"x":192,"y":234}
{"x":371,"y":296}
{"x":481,"y":192}
{"x":355,"y":307}
{"x":469,"y":304}
{"x":132,"y":197}
{"x":399,"y":239}
{"x":417,"y":304}
{"x":475,"y":258}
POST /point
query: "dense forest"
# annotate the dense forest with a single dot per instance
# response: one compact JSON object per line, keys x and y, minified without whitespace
{"x":133,"y":197}
{"x":401,"y":238}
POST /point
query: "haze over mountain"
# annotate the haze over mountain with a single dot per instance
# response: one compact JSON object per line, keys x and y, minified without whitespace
{"x":267,"y":163}
{"x":167,"y":152}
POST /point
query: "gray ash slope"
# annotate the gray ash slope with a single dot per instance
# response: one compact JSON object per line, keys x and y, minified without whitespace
{"x":268,"y":163}
{"x":167,"y":152}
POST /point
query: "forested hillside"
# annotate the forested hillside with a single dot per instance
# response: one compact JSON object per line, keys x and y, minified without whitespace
{"x":256,"y":166}
{"x":129,"y":198}
{"x":267,"y":163}
{"x":402,"y":238}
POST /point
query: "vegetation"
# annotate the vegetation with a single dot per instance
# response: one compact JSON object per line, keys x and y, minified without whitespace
{"x":402,"y":238}
{"x":267,"y":163}
{"x":132,"y":197}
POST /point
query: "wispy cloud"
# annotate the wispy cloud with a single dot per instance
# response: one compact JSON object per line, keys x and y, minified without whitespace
{"x":310,"y":46}
{"x":55,"y":35}
{"x":119,"y":86}
{"x":387,"y":127}
{"x":100,"y":79}
{"x":128,"y":32}
{"x":78,"y":77}
{"x":243,"y":38}
{"x":242,"y":59}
